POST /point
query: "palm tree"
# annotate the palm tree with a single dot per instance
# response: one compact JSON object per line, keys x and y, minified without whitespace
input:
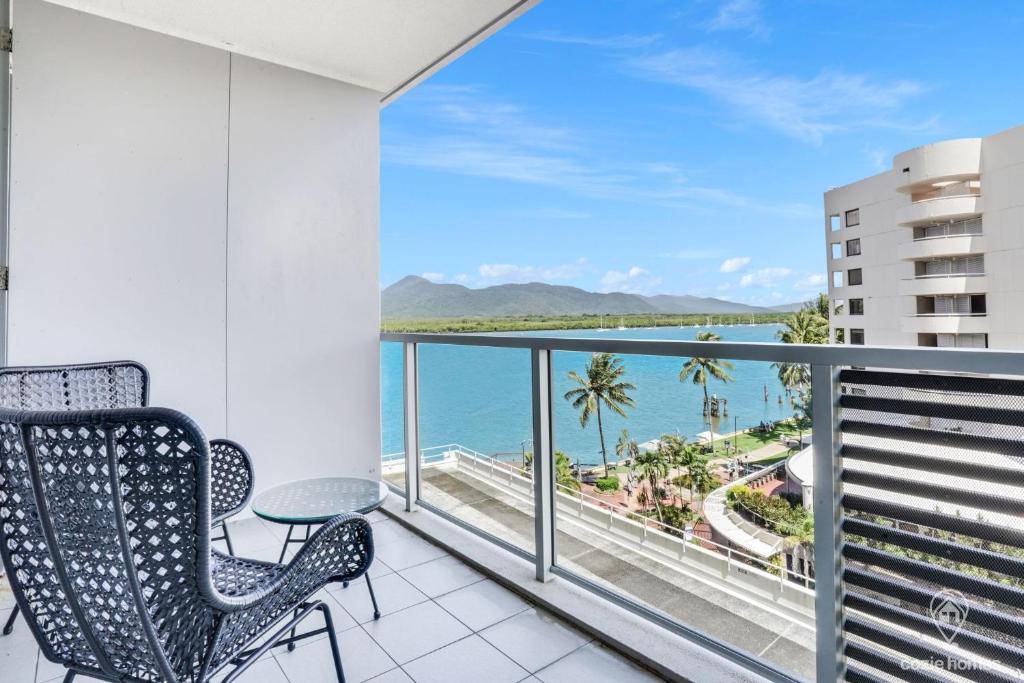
{"x":626,"y":448}
{"x":563,"y":469}
{"x":806,"y":326}
{"x":700,"y":479}
{"x":701,"y":369}
{"x":602,"y":385}
{"x":652,"y":466}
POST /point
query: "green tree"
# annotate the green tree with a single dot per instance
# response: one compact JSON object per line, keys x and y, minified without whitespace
{"x":563,"y":469}
{"x":700,"y":369}
{"x":652,"y":466}
{"x":626,"y":448}
{"x":602,"y":385}
{"x":700,"y":479}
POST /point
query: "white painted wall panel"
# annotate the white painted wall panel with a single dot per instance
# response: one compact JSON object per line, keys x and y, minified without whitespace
{"x":118,"y":176}
{"x":303,"y":271}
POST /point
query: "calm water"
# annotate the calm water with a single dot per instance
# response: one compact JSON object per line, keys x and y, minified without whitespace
{"x":480,"y":397}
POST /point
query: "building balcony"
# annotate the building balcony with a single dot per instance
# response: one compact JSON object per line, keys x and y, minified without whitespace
{"x":930,"y":285}
{"x":949,"y":323}
{"x":939,"y":209}
{"x":933,"y":247}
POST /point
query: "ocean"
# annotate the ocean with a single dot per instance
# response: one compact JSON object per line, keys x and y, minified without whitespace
{"x":480,"y":397}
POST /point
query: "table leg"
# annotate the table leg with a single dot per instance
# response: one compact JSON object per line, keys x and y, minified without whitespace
{"x":287,"y":540}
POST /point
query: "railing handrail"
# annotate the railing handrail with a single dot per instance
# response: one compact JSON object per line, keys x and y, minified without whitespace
{"x":982,"y":361}
{"x":807,"y":580}
{"x":932,"y":276}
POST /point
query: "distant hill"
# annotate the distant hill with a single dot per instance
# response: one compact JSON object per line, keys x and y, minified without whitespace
{"x":415,"y":297}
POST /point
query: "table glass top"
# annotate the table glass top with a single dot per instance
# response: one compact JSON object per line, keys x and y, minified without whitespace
{"x":314,"y":501}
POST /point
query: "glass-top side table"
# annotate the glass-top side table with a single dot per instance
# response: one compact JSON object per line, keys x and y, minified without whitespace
{"x":315,"y":501}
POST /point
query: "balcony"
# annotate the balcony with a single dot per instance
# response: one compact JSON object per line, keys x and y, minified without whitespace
{"x":942,"y":208}
{"x":934,"y":247}
{"x":585,"y":540}
{"x":954,"y":283}
{"x":949,"y":323}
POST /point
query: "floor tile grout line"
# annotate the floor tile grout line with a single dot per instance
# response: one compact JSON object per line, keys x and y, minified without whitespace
{"x":567,"y":654}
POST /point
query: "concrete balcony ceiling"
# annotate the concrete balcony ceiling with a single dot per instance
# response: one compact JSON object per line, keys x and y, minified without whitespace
{"x":957,"y":245}
{"x":930,"y":286}
{"x":939,"y":209}
{"x":383,"y":45}
{"x":938,"y":162}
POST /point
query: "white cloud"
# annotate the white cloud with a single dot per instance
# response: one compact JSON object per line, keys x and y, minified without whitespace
{"x":461,"y":278}
{"x":463,"y":132}
{"x":740,"y":15}
{"x":765,"y":277}
{"x":804,"y":108}
{"x":433,"y":277}
{"x":731,"y":265}
{"x":811,"y":282}
{"x":493,"y":273}
{"x":635,"y":280}
{"x":623,"y":41}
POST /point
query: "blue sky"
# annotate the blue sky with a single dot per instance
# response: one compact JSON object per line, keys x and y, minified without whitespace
{"x":678,"y":147}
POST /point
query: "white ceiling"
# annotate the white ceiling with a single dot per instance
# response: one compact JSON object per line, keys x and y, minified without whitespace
{"x":384,"y":45}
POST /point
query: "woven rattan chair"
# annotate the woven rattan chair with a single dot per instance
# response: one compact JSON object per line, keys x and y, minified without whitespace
{"x":122,"y":384}
{"x":105,"y":534}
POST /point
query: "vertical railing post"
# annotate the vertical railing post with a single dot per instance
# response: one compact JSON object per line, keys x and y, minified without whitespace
{"x":543,"y":464}
{"x":828,"y":515}
{"x":412,"y":425}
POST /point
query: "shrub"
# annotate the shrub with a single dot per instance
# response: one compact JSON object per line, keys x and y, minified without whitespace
{"x":606,"y":484}
{"x":773,"y":512}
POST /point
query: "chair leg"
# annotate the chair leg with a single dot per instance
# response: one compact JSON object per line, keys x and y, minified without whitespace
{"x":227,"y":537}
{"x":333,"y":638}
{"x":9,"y":626}
{"x":291,"y":646}
{"x":373,"y":598}
{"x":70,"y":676}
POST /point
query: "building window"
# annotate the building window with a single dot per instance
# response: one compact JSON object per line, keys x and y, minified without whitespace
{"x":853,"y":247}
{"x":837,"y":278}
{"x":857,"y":336}
{"x":837,"y":250}
{"x":833,"y":223}
{"x":856,"y":306}
{"x":840,"y":335}
{"x":852,"y":218}
{"x":854,"y":277}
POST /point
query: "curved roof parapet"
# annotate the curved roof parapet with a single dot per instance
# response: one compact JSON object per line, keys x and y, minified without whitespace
{"x":949,"y":160}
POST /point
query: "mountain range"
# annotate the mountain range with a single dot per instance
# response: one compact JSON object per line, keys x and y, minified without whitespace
{"x":415,"y":297}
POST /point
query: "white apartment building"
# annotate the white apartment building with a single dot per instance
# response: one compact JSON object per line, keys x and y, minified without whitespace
{"x":931,"y":252}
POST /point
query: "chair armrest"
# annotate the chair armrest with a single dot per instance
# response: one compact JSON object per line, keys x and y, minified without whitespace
{"x":231,"y":479}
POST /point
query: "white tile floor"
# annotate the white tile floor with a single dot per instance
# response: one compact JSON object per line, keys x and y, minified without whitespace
{"x":441,"y":621}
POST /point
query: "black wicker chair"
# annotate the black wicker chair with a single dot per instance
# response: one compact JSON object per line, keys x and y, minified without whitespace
{"x":122,"y":384}
{"x":105,"y":534}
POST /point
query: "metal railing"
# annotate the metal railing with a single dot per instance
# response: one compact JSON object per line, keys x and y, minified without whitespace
{"x":940,"y":479}
{"x":961,"y":228}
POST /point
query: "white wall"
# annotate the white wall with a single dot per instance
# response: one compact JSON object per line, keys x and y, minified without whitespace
{"x":212,"y":216}
{"x":118,"y":170}
{"x":303,"y":266}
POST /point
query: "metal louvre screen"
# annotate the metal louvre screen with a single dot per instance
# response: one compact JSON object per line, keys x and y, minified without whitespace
{"x":933,"y":526}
